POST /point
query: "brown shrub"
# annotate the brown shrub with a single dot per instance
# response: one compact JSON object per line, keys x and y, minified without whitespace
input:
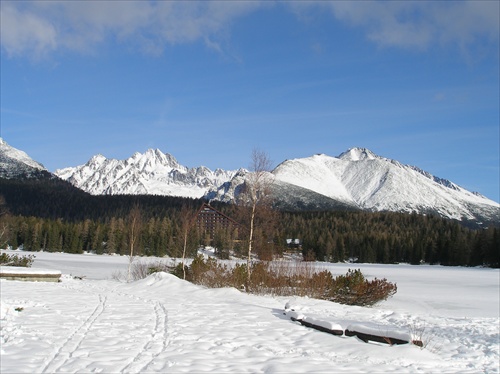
{"x":289,"y":278}
{"x":354,"y":289}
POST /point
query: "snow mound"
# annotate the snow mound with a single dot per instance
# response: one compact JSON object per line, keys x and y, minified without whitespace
{"x":163,"y":279}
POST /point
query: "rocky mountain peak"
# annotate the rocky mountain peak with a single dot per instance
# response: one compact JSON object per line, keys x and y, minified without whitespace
{"x":357,"y":154}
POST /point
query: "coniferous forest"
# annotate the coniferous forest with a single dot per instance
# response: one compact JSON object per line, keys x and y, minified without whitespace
{"x":52,"y":215}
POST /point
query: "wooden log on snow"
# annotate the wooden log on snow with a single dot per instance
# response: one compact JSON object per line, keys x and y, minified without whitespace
{"x":377,"y":334}
{"x":320,"y":325}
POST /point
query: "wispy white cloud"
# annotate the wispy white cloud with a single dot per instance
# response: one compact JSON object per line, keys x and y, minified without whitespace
{"x":416,"y":24}
{"x":37,"y":28}
{"x":25,"y":30}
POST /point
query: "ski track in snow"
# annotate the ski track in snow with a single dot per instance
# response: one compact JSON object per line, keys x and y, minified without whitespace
{"x":156,"y":344}
{"x":155,"y":339}
{"x":72,"y":349}
{"x":72,"y":344}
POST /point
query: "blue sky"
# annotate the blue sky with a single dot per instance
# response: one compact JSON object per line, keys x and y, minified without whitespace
{"x":209,"y":81}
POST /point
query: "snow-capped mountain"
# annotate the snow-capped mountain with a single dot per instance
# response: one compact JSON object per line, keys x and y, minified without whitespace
{"x":15,"y":163}
{"x":364,"y":180}
{"x":356,"y":179}
{"x":152,"y":172}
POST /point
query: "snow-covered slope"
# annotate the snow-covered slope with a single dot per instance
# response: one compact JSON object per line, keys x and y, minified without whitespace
{"x":15,"y":163}
{"x":152,"y":172}
{"x":362,"y":179}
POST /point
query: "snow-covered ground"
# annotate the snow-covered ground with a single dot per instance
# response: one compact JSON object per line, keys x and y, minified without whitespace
{"x":164,"y":324}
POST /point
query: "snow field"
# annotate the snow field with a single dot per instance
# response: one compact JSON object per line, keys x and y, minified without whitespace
{"x":164,"y":324}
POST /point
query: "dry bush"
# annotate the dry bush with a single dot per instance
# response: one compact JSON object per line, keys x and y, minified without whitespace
{"x":354,"y":289}
{"x":290,"y":279}
{"x":320,"y":285}
{"x":285,"y":278}
{"x":209,"y":273}
{"x":280,"y":278}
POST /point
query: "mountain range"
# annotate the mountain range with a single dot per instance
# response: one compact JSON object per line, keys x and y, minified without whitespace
{"x":357,"y":179}
{"x":151,"y":173}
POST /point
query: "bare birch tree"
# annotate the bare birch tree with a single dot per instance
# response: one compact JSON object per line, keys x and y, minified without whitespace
{"x":134,"y":227}
{"x":186,"y":220}
{"x":4,"y":227}
{"x":256,"y":194}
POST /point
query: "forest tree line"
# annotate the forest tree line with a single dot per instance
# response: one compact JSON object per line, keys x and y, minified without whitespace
{"x":326,"y":236}
{"x":57,"y":217}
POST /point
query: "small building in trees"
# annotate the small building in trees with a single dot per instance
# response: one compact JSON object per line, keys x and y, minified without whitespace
{"x":293,"y":243}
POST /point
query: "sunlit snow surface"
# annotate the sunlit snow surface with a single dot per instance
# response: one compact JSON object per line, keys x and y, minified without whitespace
{"x":163,"y":324}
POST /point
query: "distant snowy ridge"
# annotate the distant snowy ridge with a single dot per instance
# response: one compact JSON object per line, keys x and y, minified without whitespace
{"x":14,"y":163}
{"x":152,"y":172}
